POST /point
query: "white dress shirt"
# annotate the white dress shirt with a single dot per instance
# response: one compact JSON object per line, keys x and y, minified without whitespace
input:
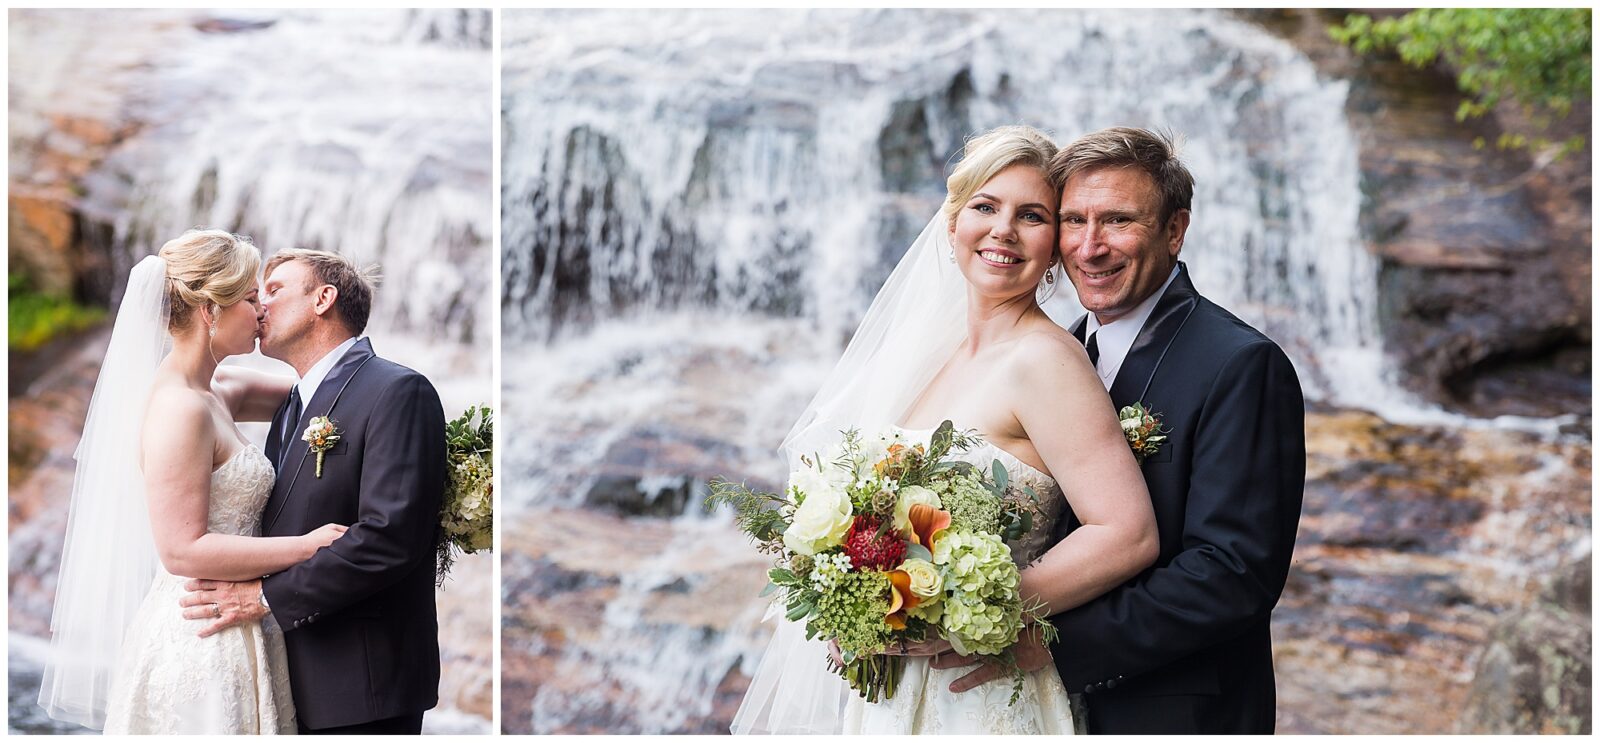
{"x":319,"y":371}
{"x":1116,"y":337}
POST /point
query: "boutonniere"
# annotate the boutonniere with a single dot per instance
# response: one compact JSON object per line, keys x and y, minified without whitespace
{"x":322,"y":434}
{"x":1143,"y":429}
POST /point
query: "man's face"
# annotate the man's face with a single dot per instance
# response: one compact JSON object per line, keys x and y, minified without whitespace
{"x":288,"y":307}
{"x":1116,"y":249}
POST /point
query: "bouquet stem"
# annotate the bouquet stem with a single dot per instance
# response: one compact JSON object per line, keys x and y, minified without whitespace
{"x":874,"y":677}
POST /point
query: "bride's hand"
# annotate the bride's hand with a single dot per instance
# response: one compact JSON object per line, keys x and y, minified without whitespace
{"x":321,"y":537}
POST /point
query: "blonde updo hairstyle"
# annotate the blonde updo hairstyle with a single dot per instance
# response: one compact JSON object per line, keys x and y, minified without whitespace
{"x":991,"y":152}
{"x":211,"y":268}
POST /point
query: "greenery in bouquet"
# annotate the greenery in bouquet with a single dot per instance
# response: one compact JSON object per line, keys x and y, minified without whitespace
{"x":881,"y":539}
{"x":466,"y":518}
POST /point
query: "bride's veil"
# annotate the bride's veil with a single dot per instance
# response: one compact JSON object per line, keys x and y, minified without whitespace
{"x":109,"y":558}
{"x":913,"y":326}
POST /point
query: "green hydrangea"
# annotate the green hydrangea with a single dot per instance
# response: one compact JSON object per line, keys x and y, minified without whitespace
{"x":853,"y":611}
{"x":982,"y":627}
{"x":980,"y":612}
{"x":971,"y":505}
{"x":977,"y":564}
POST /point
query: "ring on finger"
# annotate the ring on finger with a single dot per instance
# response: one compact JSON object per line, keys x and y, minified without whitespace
{"x":217,"y":608}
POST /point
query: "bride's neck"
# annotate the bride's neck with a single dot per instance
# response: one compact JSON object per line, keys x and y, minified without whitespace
{"x":995,"y":321}
{"x":192,"y":358}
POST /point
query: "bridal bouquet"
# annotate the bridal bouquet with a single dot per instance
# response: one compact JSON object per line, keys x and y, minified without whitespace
{"x":466,"y":519}
{"x":881,"y":540}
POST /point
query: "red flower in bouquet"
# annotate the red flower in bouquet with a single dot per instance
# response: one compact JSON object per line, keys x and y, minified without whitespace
{"x":872,"y":547}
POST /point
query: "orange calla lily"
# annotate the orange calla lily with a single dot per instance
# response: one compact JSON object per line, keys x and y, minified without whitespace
{"x":901,"y":599}
{"x":926,"y":523}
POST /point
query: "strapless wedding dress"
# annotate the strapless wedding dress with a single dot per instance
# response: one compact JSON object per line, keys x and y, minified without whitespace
{"x":924,"y":704}
{"x":170,"y":681}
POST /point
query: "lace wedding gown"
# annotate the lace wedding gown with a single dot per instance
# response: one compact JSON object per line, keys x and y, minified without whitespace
{"x":168,"y":680}
{"x":923,"y":703}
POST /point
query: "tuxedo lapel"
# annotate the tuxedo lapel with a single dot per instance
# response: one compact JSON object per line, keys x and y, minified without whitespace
{"x":1144,"y":357}
{"x":1077,"y":328}
{"x":328,"y":394}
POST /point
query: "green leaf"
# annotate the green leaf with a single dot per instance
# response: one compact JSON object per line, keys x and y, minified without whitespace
{"x":798,"y":611}
{"x":1002,"y":479}
{"x":918,"y":552}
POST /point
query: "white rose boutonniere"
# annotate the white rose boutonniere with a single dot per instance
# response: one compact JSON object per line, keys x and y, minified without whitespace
{"x":321,"y":434}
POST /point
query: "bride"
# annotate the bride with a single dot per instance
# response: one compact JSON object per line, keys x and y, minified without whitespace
{"x":957,"y":334}
{"x":167,"y":486}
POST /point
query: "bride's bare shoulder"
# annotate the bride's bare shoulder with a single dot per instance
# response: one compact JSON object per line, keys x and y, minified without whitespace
{"x":1049,"y":350}
{"x":175,"y":409}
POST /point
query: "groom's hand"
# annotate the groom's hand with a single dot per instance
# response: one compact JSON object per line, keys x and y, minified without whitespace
{"x":1032,"y":655}
{"x":226,"y":602}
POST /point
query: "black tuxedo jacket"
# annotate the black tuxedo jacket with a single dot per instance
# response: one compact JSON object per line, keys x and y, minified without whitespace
{"x":359,"y":617}
{"x":1185,"y":646}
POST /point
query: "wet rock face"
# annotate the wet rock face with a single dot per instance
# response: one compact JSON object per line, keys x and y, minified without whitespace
{"x":1485,"y":281}
{"x":1416,"y":544}
{"x":631,"y":481}
{"x":1536,"y":675}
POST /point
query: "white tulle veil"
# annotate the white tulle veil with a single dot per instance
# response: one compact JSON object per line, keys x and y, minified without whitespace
{"x":913,"y":326}
{"x":109,"y":558}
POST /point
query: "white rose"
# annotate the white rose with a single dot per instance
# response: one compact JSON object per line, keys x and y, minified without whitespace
{"x":909,"y":496}
{"x":1130,"y":424}
{"x":821,"y":520}
{"x":926,"y":581}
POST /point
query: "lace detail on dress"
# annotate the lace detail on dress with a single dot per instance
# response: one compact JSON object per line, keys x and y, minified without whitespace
{"x":924,"y":703}
{"x":168,"y":680}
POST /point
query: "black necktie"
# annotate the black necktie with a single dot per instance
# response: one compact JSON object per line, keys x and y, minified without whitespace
{"x":1093,"y":347}
{"x":289,"y":423}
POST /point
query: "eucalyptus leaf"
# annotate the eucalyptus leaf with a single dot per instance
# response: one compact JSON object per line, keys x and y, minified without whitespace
{"x":918,"y":552}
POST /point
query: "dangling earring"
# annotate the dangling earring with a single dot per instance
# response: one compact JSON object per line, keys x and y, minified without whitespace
{"x":213,"y":328}
{"x":1047,"y":287}
{"x":952,"y":254}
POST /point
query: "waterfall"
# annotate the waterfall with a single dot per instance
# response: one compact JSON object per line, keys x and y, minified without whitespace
{"x":777,"y":162}
{"x":364,"y":132}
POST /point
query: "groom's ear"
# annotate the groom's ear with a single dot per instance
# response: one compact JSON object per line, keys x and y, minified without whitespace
{"x":326,"y":295}
{"x":1177,"y":227}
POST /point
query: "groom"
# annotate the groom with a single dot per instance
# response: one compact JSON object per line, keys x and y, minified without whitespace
{"x":358,"y":617}
{"x":1184,"y":647}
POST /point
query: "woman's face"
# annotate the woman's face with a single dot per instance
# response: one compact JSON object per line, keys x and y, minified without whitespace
{"x":238,"y":326}
{"x":1005,"y":235}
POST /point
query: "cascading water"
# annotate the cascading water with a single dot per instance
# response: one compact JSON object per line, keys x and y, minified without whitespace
{"x":259,"y":131}
{"x":365,"y":132}
{"x":777,"y":163}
